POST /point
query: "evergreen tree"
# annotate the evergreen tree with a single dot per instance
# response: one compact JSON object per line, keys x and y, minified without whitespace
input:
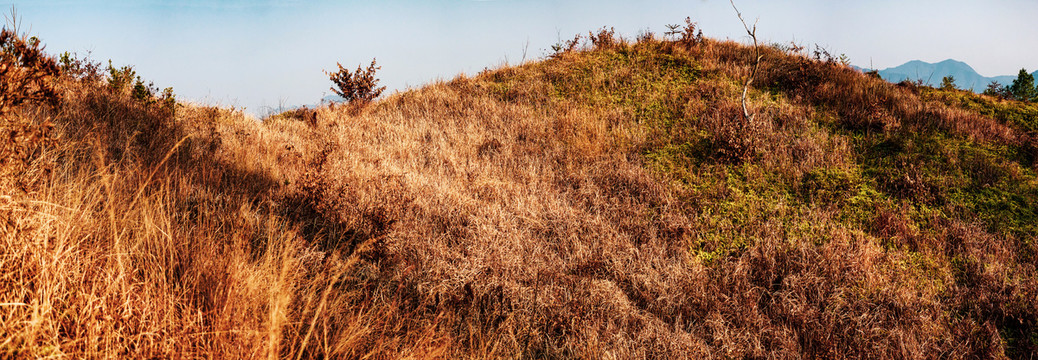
{"x":1023,"y":87}
{"x":948,"y":83}
{"x":998,"y":90}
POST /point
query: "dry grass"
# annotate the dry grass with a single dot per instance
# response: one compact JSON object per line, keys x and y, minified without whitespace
{"x":603,"y":203}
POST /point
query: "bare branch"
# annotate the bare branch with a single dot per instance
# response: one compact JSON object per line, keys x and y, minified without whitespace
{"x":756,"y":63}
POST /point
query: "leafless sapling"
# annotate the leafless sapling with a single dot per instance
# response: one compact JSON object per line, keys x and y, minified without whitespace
{"x":747,"y":117}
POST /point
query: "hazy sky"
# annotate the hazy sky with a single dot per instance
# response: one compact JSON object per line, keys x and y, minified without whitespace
{"x":267,"y":53}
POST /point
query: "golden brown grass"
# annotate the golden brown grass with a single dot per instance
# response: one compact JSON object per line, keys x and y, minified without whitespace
{"x":598,"y":204}
{"x":160,"y":236}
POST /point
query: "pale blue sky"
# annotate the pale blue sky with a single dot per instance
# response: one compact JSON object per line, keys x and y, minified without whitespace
{"x":262,"y":54}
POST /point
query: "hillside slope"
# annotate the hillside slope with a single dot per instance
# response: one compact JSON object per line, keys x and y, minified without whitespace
{"x":609,"y":201}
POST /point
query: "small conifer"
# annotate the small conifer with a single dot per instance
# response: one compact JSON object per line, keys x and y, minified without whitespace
{"x":1023,"y":88}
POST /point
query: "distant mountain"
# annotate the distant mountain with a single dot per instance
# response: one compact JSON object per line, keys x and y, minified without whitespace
{"x":931,"y":74}
{"x":332,"y":99}
{"x":268,"y":111}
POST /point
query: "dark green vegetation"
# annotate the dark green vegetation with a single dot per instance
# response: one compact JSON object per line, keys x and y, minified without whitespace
{"x":1022,"y":88}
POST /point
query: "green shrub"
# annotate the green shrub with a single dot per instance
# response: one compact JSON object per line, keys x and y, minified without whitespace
{"x":948,"y":83}
{"x":124,"y":80}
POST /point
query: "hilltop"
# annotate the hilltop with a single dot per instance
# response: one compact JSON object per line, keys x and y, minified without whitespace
{"x":610,"y":200}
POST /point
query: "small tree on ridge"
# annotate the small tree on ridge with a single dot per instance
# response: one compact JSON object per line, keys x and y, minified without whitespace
{"x":1023,"y":87}
{"x":996,"y":89}
{"x":359,"y":85}
{"x":948,"y":83}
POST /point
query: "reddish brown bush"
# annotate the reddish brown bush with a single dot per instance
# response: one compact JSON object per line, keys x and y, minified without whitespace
{"x":27,"y":77}
{"x":360,"y":85}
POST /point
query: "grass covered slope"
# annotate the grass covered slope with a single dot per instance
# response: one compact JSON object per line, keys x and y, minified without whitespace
{"x":609,"y":201}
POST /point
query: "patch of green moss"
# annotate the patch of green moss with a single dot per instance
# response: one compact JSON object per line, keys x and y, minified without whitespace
{"x":1014,"y":113}
{"x":962,"y":178}
{"x":678,"y":158}
{"x":740,"y":204}
{"x":828,"y":185}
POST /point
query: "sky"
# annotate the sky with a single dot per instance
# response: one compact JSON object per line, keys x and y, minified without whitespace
{"x":265,"y":55}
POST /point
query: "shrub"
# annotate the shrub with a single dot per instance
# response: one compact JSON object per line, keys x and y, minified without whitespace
{"x":605,"y":39}
{"x":687,"y":33}
{"x":998,"y":90}
{"x":563,"y":47}
{"x":27,"y":76}
{"x":823,"y":54}
{"x":948,"y":83}
{"x":72,"y":66}
{"x":645,"y":36}
{"x":26,"y":73}
{"x":125,"y":81}
{"x":360,"y":85}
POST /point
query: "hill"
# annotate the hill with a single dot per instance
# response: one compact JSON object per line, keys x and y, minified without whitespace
{"x":932,"y":73}
{"x":608,"y":201}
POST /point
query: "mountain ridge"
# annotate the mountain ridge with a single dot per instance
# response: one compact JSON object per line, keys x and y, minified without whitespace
{"x":932,"y":73}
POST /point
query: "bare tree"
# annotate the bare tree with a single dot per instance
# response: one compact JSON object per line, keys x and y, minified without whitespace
{"x":747,"y":117}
